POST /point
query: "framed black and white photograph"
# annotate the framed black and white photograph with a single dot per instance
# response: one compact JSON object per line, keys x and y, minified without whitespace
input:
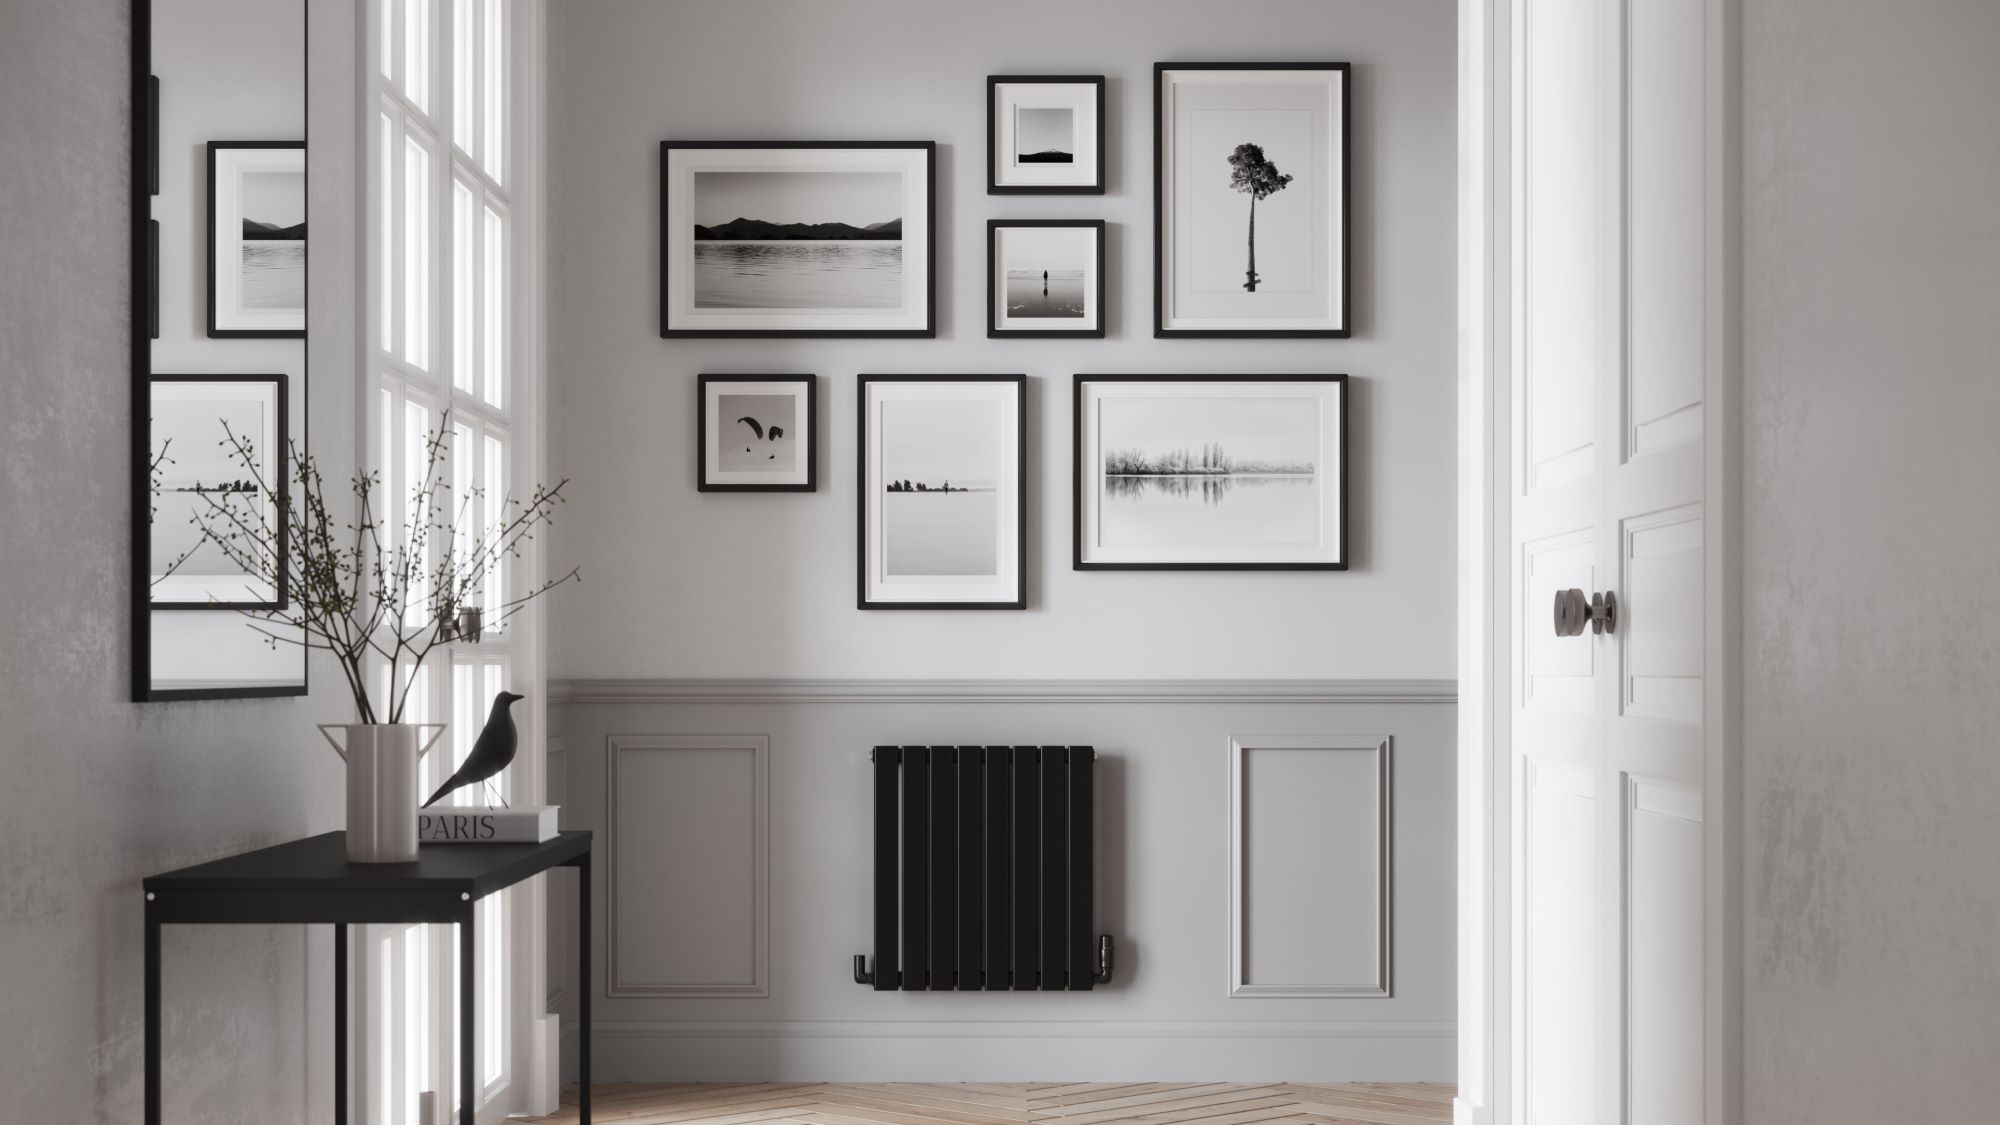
{"x":1045,"y":134}
{"x":800,"y":238}
{"x":756,"y":433}
{"x":257,"y":239}
{"x":1250,"y":199}
{"x":203,"y":489}
{"x":1045,"y":277}
{"x":943,"y":514}
{"x":1211,"y":472}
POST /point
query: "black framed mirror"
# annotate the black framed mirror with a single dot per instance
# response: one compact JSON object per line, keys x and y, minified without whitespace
{"x":218,"y":378}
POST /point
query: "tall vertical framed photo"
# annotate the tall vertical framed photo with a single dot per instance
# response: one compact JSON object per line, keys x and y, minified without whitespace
{"x":1250,"y":199}
{"x":257,"y":239}
{"x":942,"y":503}
{"x":757,"y":433}
{"x":1210,"y":472}
{"x":1045,"y":277}
{"x":798,"y":238}
{"x":1045,"y":134}
{"x":219,"y":455}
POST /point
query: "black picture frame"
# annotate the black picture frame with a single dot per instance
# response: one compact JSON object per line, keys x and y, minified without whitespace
{"x":281,"y":470}
{"x":1160,"y":243}
{"x":1079,"y":476}
{"x":809,"y":450}
{"x":993,"y":328}
{"x":927,"y":331}
{"x":862,"y":493}
{"x":993,"y":84}
{"x":153,"y":134}
{"x":214,"y":149}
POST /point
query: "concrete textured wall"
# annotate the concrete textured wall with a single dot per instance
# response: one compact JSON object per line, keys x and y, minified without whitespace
{"x":679,"y":583}
{"x":1871,"y":396}
{"x":100,"y":791}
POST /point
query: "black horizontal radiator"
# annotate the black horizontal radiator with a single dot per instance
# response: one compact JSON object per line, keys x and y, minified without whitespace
{"x":983,"y":862}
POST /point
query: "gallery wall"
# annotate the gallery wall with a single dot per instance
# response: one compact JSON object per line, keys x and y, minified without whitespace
{"x":102,"y":791}
{"x":680,"y":584}
{"x":695,"y":982}
{"x":1871,"y":265}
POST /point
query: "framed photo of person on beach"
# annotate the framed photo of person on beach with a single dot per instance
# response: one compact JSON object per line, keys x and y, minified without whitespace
{"x":1211,"y":472}
{"x":1045,"y":134}
{"x":757,"y":433}
{"x":256,"y":239}
{"x":798,"y":238}
{"x":1250,"y":200}
{"x":1045,"y":277}
{"x":942,"y":505}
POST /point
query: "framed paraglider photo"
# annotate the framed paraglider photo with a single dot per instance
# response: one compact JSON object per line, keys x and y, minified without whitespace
{"x":757,"y":433}
{"x":1250,"y":199}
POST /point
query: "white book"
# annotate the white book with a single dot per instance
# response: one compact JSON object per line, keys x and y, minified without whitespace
{"x":479,"y":824}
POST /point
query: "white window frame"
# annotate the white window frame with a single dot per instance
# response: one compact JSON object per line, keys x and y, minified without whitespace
{"x":403,"y":977}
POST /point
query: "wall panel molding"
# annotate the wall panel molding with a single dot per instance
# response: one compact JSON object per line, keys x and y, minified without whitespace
{"x":668,"y":690}
{"x":1378,"y":868}
{"x":623,"y":853}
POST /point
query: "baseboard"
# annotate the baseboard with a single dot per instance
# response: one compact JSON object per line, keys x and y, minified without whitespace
{"x":1002,"y":1051}
{"x":641,"y":690}
{"x":1464,"y":1112}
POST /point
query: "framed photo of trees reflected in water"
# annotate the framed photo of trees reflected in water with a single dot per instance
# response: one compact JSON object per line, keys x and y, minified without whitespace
{"x":1211,"y":472}
{"x":1250,"y":199}
{"x":797,"y":238}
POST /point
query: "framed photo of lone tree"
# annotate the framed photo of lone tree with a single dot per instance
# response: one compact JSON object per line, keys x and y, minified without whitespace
{"x":797,"y":238}
{"x":757,"y":433}
{"x":1045,"y":134}
{"x":1250,"y":199}
{"x":1211,"y":472}
{"x":943,"y":514}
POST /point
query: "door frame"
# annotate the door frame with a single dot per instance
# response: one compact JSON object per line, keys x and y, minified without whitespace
{"x":1487,"y":1023}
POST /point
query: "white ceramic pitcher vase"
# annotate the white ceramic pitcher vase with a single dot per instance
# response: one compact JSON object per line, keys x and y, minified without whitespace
{"x":382,"y":787}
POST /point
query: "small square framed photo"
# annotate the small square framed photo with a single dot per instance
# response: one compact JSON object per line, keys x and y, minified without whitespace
{"x":1211,"y":472}
{"x":1045,"y":277}
{"x":943,"y":513}
{"x":1045,"y":134}
{"x":758,"y":433}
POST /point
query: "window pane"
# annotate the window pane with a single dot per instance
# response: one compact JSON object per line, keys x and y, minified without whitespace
{"x":416,"y":253}
{"x":494,"y":282}
{"x":416,"y":475}
{"x":496,"y":518}
{"x":417,"y":53}
{"x":464,"y":70}
{"x":493,"y":988}
{"x":493,"y":107}
{"x":416,"y":1018}
{"x":464,"y":280}
{"x":469,"y":722}
{"x":387,"y":205}
{"x":388,"y":38}
{"x":385,"y":1047}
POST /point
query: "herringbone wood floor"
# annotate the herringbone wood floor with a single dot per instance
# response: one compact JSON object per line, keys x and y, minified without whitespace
{"x":1014,"y":1103}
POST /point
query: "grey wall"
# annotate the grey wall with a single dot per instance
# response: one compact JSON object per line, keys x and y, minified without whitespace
{"x":1871,"y":280}
{"x":101,"y":791}
{"x":683,"y":584}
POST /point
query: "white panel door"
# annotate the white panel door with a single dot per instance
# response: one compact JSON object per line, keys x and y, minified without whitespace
{"x":1611,"y":141}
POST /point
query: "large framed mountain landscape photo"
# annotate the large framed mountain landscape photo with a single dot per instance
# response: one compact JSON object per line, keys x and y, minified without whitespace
{"x":798,"y":238}
{"x":1250,"y":199}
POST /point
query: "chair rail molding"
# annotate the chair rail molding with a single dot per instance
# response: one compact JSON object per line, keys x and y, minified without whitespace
{"x":674,"y":690}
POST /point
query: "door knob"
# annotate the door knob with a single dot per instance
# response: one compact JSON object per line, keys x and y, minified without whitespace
{"x":1573,"y":612}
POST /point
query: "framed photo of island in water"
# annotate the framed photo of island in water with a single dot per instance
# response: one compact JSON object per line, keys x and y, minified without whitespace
{"x":257,"y":239}
{"x":942,"y":510}
{"x":1045,"y":134}
{"x":757,"y":433}
{"x":1250,"y":199}
{"x":798,"y":238}
{"x":1045,"y":277}
{"x":1211,"y":472}
{"x":218,"y":448}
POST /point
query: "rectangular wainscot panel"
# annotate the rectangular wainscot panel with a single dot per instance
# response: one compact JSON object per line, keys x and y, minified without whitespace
{"x":1309,"y":873}
{"x":689,"y":846}
{"x":1663,"y":954}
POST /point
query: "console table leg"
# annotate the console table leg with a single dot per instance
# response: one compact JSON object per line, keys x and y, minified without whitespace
{"x":152,"y":1013}
{"x":340,"y":1023}
{"x":584,"y":988}
{"x":468,"y":1046}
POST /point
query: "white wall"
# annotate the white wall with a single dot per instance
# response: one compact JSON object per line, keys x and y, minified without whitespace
{"x":678,"y":583}
{"x":101,"y":791}
{"x":1872,"y":281}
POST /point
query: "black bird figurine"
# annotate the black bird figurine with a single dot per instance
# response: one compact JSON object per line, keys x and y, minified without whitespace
{"x":493,"y":752}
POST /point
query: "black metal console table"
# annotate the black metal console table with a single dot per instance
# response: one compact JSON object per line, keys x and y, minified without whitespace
{"x":310,"y":881}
